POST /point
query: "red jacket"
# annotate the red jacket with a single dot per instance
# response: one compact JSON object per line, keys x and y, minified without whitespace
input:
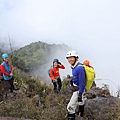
{"x":1,"y":71}
{"x":54,"y":72}
{"x":4,"y":71}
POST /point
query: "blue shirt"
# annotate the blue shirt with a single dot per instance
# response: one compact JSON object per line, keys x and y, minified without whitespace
{"x":78,"y":73}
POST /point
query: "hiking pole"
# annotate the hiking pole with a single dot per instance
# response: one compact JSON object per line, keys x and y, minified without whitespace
{"x":10,"y":46}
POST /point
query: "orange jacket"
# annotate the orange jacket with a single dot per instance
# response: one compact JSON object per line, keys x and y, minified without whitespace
{"x":54,"y":72}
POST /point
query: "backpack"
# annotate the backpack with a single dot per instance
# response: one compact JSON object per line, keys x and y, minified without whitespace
{"x":49,"y":70}
{"x":90,"y":76}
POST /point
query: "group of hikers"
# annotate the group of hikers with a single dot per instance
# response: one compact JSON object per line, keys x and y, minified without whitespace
{"x":78,"y":79}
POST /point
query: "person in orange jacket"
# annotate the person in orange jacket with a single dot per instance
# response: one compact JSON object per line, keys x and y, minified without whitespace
{"x":87,"y":63}
{"x":7,"y":70}
{"x":55,"y":75}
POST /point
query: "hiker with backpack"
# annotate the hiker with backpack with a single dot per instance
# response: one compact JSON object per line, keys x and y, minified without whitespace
{"x":78,"y":80}
{"x":55,"y":75}
{"x":7,"y":71}
{"x":87,"y":63}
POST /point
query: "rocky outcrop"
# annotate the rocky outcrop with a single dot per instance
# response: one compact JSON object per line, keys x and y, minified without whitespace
{"x":100,"y":105}
{"x":102,"y":108}
{"x":97,"y":92}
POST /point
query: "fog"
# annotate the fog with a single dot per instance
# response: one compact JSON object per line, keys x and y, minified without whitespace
{"x":41,"y":72}
{"x":90,"y":27}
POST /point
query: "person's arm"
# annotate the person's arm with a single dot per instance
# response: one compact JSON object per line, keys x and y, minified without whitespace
{"x":3,"y":70}
{"x":81,"y":78}
{"x":61,"y":66}
{"x":52,"y":74}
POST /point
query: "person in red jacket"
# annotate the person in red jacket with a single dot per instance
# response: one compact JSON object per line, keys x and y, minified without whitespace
{"x":1,"y":74}
{"x":55,"y":75}
{"x":7,"y":71}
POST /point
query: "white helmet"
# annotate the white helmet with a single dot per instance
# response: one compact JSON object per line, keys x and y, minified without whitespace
{"x":72,"y":53}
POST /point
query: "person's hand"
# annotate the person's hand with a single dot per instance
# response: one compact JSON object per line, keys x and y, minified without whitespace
{"x":68,"y":76}
{"x":80,"y":98}
{"x":11,"y":74}
{"x":59,"y":63}
{"x":55,"y":81}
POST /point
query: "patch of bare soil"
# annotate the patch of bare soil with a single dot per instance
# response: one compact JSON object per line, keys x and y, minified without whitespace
{"x":12,"y":118}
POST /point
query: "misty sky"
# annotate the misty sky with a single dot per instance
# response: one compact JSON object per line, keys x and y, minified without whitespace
{"x":90,"y":27}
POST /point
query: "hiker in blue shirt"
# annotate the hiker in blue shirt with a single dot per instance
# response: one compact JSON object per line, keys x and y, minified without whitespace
{"x":78,"y":79}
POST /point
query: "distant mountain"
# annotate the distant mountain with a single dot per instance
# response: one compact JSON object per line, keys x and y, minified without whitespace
{"x":37,"y":55}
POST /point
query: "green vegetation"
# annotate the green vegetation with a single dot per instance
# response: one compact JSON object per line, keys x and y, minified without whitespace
{"x":36,"y":54}
{"x":25,"y":105}
{"x":39,"y":102}
{"x":36,"y":100}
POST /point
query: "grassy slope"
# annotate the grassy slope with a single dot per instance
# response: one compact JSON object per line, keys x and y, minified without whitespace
{"x":48,"y":106}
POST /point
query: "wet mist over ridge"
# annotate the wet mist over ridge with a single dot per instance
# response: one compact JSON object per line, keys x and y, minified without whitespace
{"x":89,"y":27}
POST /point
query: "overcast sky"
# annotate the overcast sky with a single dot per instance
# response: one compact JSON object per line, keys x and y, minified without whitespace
{"x":91,"y":27}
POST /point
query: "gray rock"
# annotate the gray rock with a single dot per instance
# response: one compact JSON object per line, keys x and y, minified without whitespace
{"x":101,"y":108}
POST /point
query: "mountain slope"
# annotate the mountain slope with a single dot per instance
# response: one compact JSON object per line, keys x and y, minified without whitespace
{"x":36,"y":57}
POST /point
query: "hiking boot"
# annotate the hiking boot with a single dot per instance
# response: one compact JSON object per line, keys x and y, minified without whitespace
{"x":81,"y":118}
{"x":55,"y":91}
{"x":71,"y":116}
{"x":16,"y":88}
{"x":13,"y":94}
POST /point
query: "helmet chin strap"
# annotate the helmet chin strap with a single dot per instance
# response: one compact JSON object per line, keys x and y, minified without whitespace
{"x":75,"y":61}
